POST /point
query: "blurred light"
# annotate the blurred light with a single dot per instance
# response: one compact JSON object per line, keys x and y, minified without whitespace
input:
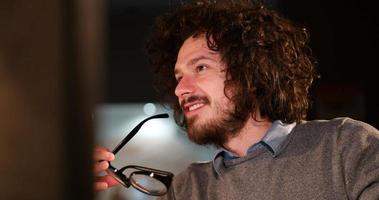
{"x":153,"y":131}
{"x":158,"y":130}
{"x":149,"y":109}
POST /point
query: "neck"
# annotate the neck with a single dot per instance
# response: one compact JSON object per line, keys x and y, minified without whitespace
{"x":252,"y":133}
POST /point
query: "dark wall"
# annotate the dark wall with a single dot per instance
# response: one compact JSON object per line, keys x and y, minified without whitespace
{"x":343,"y":39}
{"x":128,"y":74}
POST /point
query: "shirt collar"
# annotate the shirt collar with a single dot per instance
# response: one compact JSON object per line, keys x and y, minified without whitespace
{"x":277,"y":134}
{"x":273,"y":140}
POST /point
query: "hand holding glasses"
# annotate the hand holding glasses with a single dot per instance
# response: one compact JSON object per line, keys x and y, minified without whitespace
{"x":147,"y":180}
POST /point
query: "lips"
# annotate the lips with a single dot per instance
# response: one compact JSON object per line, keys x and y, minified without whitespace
{"x":188,"y":107}
{"x":196,"y":106}
{"x":193,"y":103}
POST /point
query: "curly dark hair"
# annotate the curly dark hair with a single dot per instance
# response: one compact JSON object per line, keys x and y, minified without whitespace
{"x":266,"y":55}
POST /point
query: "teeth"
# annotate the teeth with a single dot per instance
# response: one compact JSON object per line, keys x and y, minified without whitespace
{"x":193,"y":107}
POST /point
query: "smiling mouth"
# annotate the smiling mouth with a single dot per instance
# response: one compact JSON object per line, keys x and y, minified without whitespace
{"x":195,"y":107}
{"x":194,"y":103}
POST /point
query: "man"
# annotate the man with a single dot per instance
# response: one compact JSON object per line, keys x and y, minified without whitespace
{"x":237,"y":76}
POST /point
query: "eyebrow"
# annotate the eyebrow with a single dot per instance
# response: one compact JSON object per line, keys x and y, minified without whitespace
{"x":195,"y":60}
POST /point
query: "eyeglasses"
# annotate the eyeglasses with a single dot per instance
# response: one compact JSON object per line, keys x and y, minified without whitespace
{"x":147,"y":180}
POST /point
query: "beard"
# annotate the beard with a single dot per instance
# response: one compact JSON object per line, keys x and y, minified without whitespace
{"x":217,"y":130}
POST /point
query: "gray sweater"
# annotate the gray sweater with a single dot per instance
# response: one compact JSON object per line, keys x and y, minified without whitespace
{"x":336,"y":159}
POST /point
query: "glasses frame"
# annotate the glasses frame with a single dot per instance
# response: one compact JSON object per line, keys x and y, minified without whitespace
{"x":164,"y":177}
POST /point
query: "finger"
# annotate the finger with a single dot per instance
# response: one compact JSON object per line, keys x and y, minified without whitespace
{"x":107,"y":179}
{"x":103,"y":154}
{"x":101,"y":148}
{"x":99,"y":186}
{"x":100,"y":166}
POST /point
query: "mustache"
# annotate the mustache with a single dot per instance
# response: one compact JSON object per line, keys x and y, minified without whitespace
{"x":193,"y":98}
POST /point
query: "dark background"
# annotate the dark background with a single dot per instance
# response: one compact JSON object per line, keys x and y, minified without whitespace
{"x":344,"y":39}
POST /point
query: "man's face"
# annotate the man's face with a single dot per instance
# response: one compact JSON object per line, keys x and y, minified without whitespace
{"x":200,"y":91}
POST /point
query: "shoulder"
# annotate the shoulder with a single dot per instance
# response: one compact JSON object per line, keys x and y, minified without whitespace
{"x":351,"y":126}
{"x":340,"y":131}
{"x":357,"y":134}
{"x":195,"y":170}
{"x":342,"y":125}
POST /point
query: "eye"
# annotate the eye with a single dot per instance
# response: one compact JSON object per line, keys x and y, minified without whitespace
{"x":200,"y":68}
{"x":178,"y":79}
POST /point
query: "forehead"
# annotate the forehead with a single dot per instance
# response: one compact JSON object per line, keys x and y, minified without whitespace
{"x":192,"y":44}
{"x":193,"y":49}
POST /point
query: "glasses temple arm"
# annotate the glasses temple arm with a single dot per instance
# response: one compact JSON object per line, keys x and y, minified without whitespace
{"x":135,"y":130}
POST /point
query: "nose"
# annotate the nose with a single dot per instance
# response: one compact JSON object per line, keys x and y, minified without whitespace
{"x":186,"y":86}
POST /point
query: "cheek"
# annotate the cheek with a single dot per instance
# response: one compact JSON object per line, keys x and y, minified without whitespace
{"x":214,"y":88}
{"x":219,"y":96}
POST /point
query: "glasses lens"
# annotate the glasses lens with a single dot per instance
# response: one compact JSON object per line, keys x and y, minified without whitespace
{"x":148,"y":184}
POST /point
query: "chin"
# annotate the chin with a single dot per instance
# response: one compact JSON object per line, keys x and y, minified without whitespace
{"x":199,"y":119}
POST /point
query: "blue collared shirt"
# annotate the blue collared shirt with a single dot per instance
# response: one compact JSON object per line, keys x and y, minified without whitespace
{"x":273,"y":140}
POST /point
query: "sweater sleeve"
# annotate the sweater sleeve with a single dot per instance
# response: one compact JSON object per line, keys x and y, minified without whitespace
{"x":360,"y":155}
